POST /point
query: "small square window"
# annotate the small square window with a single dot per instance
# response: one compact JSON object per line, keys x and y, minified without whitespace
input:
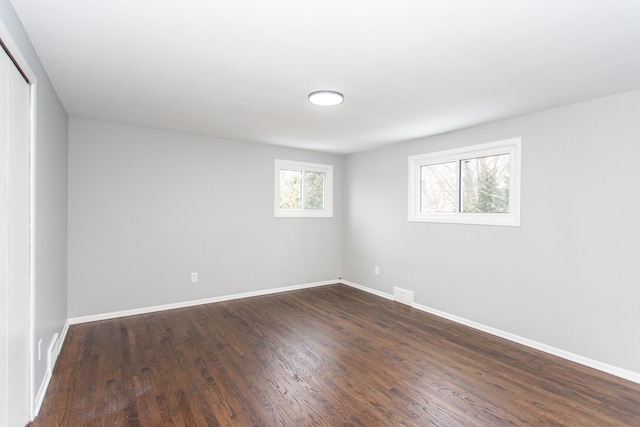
{"x":303,"y":189}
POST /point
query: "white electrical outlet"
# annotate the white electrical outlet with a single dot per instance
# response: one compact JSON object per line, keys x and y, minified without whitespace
{"x":376,"y":270}
{"x":194,"y":277}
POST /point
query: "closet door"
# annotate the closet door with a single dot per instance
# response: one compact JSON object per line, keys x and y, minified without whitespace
{"x":15,"y":246}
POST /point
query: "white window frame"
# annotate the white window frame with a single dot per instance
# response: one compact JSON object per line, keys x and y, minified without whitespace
{"x":304,"y":167}
{"x":512,"y":218}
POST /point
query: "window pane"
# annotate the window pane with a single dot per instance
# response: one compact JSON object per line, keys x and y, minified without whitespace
{"x":290,"y":189}
{"x":485,"y":184}
{"x":314,"y":190}
{"x":438,"y":188}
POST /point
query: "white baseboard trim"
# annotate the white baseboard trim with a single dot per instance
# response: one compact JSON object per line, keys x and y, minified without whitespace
{"x":366,"y":289}
{"x":44,"y":385}
{"x":63,"y":336}
{"x":585,"y":361}
{"x":153,"y":309}
{"x":41,"y":392}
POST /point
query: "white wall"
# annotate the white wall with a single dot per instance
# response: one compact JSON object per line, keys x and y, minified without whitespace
{"x":50,"y":199}
{"x":51,"y":218}
{"x":148,"y":207}
{"x":568,"y":277}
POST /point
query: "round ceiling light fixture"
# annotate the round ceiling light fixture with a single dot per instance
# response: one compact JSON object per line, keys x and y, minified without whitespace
{"x":326,"y":98}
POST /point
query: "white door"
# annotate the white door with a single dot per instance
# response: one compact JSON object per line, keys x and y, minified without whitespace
{"x":15,"y":259}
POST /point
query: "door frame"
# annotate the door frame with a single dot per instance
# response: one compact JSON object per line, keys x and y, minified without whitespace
{"x":23,"y":65}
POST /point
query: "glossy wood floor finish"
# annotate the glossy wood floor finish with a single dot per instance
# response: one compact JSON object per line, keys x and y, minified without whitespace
{"x":326,"y":356}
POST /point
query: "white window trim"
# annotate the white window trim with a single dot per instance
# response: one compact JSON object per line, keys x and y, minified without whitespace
{"x":304,"y":213}
{"x":509,"y":146}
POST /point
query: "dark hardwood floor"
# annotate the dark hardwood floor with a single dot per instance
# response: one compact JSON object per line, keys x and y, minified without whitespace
{"x":326,"y":356}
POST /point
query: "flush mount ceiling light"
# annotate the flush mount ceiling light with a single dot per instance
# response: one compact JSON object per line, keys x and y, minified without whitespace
{"x":326,"y":98}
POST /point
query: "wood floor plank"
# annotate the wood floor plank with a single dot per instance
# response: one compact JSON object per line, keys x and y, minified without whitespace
{"x":326,"y":356}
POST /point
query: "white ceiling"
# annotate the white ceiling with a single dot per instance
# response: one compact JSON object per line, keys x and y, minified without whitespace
{"x":242,"y":69}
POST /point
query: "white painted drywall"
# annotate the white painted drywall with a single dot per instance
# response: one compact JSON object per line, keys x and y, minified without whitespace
{"x":50,"y":234}
{"x":51,"y":218}
{"x":149,"y":207}
{"x":568,"y":277}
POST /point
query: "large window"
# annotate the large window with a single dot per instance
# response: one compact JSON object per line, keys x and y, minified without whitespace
{"x":472,"y":185}
{"x":303,"y":189}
